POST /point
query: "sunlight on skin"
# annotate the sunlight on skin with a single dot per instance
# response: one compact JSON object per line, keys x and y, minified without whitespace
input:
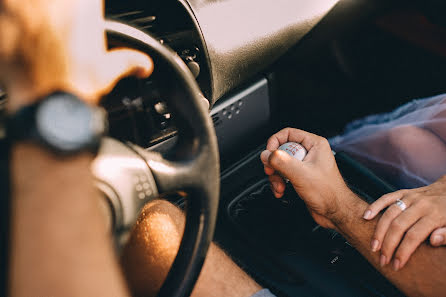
{"x":72,"y":54}
{"x":167,"y":238}
{"x":152,"y":247}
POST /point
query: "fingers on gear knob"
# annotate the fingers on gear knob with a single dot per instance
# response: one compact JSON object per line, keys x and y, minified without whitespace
{"x":294,"y":149}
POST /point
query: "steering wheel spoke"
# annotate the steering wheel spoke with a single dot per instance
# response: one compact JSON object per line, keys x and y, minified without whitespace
{"x":123,"y":176}
{"x":176,"y":175}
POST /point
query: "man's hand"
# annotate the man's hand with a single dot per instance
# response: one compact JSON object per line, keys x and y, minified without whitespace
{"x":49,"y":45}
{"x":399,"y":233}
{"x":316,"y":179}
{"x":60,"y":244}
{"x":318,"y":182}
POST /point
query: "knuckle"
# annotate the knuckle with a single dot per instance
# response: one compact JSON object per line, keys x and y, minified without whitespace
{"x":410,"y":196}
{"x":392,"y":211}
{"x":287,"y":130}
{"x":276,"y":159}
{"x":373,"y":208}
{"x":404,"y":193}
{"x":424,"y":205}
{"x":386,"y":249}
{"x":411,"y":235}
{"x":385,"y":220}
{"x":323,"y":142}
{"x":396,"y":225}
{"x":399,"y":192}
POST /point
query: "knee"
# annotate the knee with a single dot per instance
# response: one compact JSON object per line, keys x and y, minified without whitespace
{"x":403,"y":138}
{"x":159,"y":213}
{"x":159,"y":227}
{"x":152,"y":247}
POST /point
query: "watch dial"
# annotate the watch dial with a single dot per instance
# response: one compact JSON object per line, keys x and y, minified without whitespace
{"x":65,"y":122}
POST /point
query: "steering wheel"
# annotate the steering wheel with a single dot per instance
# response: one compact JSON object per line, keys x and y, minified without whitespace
{"x":131,"y":176}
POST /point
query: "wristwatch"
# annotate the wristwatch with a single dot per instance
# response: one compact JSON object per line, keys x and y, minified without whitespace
{"x":60,"y":122}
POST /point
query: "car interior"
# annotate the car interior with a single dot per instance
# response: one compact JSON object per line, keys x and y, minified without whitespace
{"x":230,"y":73}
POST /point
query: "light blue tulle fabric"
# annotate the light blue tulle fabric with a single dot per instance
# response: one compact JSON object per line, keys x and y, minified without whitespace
{"x":406,"y":146}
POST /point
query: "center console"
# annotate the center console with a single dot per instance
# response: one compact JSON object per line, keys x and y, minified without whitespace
{"x":280,"y":245}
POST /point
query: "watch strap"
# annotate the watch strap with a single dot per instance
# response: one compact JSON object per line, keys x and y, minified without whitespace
{"x":21,"y":125}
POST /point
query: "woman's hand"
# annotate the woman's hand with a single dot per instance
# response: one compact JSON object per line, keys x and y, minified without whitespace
{"x":398,"y":233}
{"x":316,"y":179}
{"x":49,"y":45}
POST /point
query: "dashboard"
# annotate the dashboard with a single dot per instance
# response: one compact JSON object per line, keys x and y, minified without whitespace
{"x":228,"y":45}
{"x":225,"y":44}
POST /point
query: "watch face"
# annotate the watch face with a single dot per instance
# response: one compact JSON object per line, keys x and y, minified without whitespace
{"x":66,"y":123}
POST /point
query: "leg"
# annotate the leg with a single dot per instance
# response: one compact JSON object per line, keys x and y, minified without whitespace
{"x":438,"y":124}
{"x":420,"y":151}
{"x":152,"y":248}
{"x":406,"y":153}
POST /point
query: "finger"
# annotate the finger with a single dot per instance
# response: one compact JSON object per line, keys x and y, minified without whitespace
{"x":386,"y":200}
{"x":383,"y":225}
{"x":268,"y":170}
{"x":413,"y":238}
{"x":438,"y":237}
{"x":124,"y":62}
{"x":290,"y":134}
{"x":129,"y":62}
{"x":397,"y":230}
{"x":286,"y":165}
{"x":277,"y":185}
{"x":264,"y":157}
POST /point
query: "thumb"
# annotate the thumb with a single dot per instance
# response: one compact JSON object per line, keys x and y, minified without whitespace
{"x":438,"y":237}
{"x":286,"y":165}
{"x":124,"y":62}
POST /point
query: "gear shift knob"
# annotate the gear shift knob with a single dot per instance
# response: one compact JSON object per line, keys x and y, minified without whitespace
{"x":294,"y":149}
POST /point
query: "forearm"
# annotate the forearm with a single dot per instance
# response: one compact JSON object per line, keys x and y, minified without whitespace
{"x":423,"y":275}
{"x":60,"y":243}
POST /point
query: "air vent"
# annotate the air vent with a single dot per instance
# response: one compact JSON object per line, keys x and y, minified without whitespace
{"x":172,"y":24}
{"x":160,"y":18}
{"x":138,"y":18}
{"x":216,"y":120}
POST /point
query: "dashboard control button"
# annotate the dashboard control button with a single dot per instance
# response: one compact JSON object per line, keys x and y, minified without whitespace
{"x":161,"y":108}
{"x":194,"y":68}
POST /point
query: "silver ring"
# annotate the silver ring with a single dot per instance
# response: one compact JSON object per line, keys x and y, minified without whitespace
{"x":401,"y":204}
